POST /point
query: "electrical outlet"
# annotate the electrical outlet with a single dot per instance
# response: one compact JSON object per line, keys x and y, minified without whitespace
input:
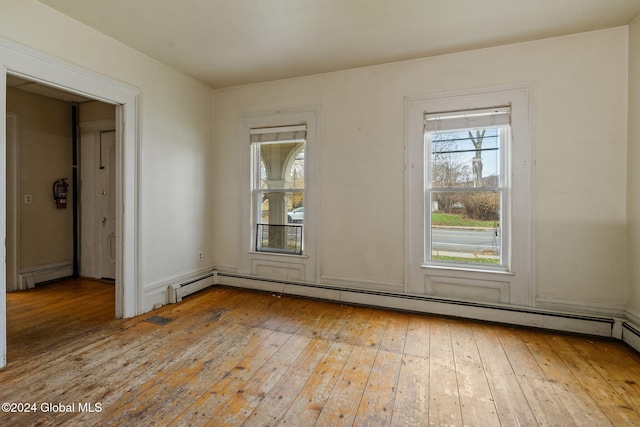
{"x":199,"y":256}
{"x":28,"y":199}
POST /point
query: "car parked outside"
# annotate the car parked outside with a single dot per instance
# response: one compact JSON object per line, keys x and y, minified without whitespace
{"x":296,"y":215}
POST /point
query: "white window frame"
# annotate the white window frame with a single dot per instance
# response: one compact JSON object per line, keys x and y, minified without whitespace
{"x":514,"y":282}
{"x":275,"y":264}
{"x":256,"y":182}
{"x":503,"y":189}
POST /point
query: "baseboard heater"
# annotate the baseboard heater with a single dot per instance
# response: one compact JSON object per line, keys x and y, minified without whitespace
{"x":178,"y":291}
{"x":631,"y":334}
{"x":514,"y":315}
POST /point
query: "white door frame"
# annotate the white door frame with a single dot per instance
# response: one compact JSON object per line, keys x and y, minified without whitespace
{"x":37,"y":66}
{"x":12,"y":203}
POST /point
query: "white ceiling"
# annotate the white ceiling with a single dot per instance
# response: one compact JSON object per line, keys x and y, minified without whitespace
{"x":232,"y":42}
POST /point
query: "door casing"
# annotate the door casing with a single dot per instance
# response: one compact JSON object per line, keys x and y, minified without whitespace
{"x":31,"y":64}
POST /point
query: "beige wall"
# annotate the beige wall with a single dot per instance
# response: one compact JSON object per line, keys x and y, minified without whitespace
{"x":579,"y":107}
{"x":189,"y":187}
{"x":45,"y":150}
{"x":633,"y":211}
{"x":176,"y":115}
{"x":93,"y":111}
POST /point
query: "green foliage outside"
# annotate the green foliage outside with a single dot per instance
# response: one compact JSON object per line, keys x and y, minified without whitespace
{"x":457,"y":220}
{"x":466,"y":260}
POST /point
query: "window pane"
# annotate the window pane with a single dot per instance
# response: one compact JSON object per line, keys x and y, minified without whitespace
{"x":280,"y":207}
{"x":281,"y":166}
{"x":279,"y":238}
{"x":465,"y":226}
{"x":468,"y":158}
{"x":279,"y":196}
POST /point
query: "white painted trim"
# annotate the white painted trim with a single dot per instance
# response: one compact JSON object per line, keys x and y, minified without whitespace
{"x":351,"y":283}
{"x":13,"y":204}
{"x":3,"y":215}
{"x":180,"y":290}
{"x":634,"y":317}
{"x":30,"y":276}
{"x":521,"y":283}
{"x":614,"y":310}
{"x":28,"y":63}
{"x":249,"y":259}
{"x":631,"y":334}
{"x":500,"y":313}
{"x":97,"y":125}
{"x":158,"y":294}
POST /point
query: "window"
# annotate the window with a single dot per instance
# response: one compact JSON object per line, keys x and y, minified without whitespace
{"x":469,"y":224}
{"x":278,"y":178}
{"x":278,"y":188}
{"x":466,"y":187}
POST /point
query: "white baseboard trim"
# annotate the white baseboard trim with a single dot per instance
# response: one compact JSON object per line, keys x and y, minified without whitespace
{"x":605,"y":326}
{"x":174,"y":289}
{"x":631,"y":329}
{"x":30,"y":276}
{"x":546,"y":318}
{"x":180,"y":290}
{"x":633,"y":317}
{"x":349,"y":283}
{"x":631,"y":334}
{"x":596,"y":309}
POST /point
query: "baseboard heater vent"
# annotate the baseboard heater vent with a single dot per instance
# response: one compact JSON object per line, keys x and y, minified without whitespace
{"x":631,"y":334}
{"x":515,"y":315}
{"x":178,"y":291}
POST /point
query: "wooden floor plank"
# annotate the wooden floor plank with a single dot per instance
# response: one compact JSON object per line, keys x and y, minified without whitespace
{"x":476,"y":404}
{"x":581,"y":406}
{"x":378,"y":399}
{"x":280,"y":398}
{"x":511,"y":402}
{"x":411,"y":406}
{"x":231,"y":356}
{"x":417,"y":343}
{"x":312,"y":398}
{"x":395,"y":333}
{"x":541,"y":395}
{"x":608,"y":400}
{"x":626,"y":382}
{"x":242,"y":404}
{"x":444,"y":396}
{"x":340,"y":409}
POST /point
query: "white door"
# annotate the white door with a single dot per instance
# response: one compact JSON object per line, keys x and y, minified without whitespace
{"x":106,"y":186}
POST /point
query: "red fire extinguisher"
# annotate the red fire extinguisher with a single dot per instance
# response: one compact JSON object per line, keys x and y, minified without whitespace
{"x":60,"y":193}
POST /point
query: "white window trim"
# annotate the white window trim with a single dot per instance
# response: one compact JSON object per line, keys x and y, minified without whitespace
{"x":516,"y":286}
{"x":502,"y":189}
{"x":289,"y":266}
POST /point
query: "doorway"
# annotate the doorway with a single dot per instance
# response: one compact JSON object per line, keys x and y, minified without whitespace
{"x":20,"y":61}
{"x":43,"y":238}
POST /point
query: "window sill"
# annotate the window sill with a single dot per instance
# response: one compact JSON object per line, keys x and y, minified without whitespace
{"x":466,"y":269}
{"x":279,"y":254}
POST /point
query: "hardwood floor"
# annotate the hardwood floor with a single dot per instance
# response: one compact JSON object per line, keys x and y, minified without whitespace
{"x":232,"y":357}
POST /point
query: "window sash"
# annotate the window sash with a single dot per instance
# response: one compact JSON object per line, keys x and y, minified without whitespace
{"x":274,"y":135}
{"x":467,"y":119}
{"x":297,"y":133}
{"x":502,"y":230}
{"x":501,"y":187}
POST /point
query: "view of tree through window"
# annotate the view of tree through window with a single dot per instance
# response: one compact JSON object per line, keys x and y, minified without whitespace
{"x":465,"y":195}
